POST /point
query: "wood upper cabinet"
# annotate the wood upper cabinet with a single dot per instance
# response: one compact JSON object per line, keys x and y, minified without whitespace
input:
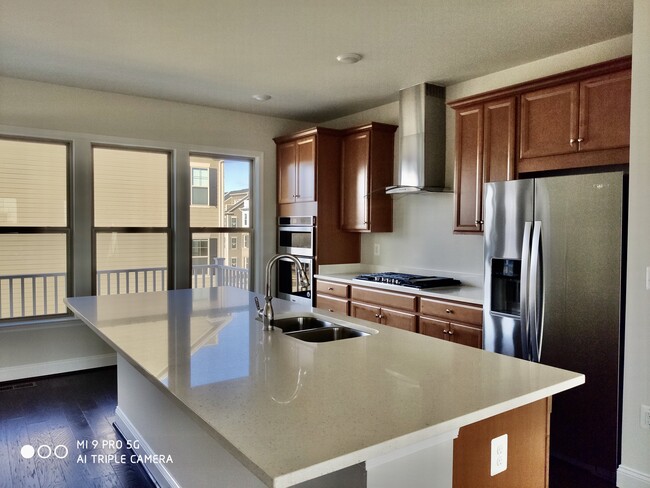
{"x":485,"y":151}
{"x":309,"y":184}
{"x":366,"y":169}
{"x":296,"y":162}
{"x":579,"y":124}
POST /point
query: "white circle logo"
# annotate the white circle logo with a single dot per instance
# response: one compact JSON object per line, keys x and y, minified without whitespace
{"x":27,"y":451}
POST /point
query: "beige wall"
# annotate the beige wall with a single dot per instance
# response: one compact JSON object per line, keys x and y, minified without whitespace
{"x":53,"y":111}
{"x":635,"y":462}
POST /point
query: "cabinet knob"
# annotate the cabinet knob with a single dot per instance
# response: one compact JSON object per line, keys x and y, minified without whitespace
{"x":376,"y":315}
{"x":297,"y":196}
{"x":580,"y":139}
{"x":449,"y":310}
{"x":572,"y":141}
{"x":451,"y":332}
{"x":330,"y":310}
{"x":478,"y":222}
{"x":330,"y":288}
{"x":445,"y":331}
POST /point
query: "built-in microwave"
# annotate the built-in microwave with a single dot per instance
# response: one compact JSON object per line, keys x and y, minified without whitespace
{"x":288,"y":282}
{"x":296,"y":235}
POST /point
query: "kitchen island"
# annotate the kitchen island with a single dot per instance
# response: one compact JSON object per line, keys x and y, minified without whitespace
{"x":221,"y":402}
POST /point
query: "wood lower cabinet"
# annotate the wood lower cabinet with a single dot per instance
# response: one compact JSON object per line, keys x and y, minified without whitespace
{"x":367,"y":169}
{"x":384,"y":307}
{"x":452,"y":321}
{"x":332,"y":296}
{"x":528,"y":449}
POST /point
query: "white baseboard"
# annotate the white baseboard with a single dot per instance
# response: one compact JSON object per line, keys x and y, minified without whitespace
{"x":157,"y":472}
{"x":46,"y":368}
{"x":631,"y":478}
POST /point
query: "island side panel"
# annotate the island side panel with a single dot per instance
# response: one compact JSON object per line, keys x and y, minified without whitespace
{"x":146,"y":415}
{"x":528,"y":449}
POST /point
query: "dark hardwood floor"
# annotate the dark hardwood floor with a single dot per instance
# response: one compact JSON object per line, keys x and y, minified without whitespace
{"x":64,"y":410}
{"x":565,"y":475}
{"x":76,"y":407}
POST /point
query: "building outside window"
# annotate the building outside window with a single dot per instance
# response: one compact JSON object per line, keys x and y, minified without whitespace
{"x":131,"y":219}
{"x":34,"y":228}
{"x":229,"y":190}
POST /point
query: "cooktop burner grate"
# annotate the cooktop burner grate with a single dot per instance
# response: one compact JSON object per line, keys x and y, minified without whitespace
{"x":410,"y":280}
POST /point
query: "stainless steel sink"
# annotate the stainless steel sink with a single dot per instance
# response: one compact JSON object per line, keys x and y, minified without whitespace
{"x":313,"y":329}
{"x":327,"y":334}
{"x":293,"y":324}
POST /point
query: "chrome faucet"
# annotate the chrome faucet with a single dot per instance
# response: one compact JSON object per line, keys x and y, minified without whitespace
{"x":265,"y":314}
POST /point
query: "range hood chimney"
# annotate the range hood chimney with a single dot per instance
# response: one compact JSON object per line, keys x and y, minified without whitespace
{"x":422,"y":140}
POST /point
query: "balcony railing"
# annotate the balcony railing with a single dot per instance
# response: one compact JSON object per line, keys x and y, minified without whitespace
{"x":42,"y":294}
{"x":32,"y":294}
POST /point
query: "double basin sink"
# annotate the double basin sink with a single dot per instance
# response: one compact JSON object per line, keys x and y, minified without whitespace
{"x":314,"y":329}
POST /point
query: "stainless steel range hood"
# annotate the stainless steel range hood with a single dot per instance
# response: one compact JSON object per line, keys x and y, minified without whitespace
{"x":422,"y":140}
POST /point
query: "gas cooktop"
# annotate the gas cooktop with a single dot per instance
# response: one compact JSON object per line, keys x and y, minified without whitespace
{"x":403,"y":279}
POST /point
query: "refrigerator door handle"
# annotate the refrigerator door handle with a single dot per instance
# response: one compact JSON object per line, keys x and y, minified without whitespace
{"x":524,"y":291}
{"x":535,"y":294}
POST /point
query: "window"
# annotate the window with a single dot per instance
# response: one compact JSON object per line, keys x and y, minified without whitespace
{"x":131,"y":220}
{"x":229,"y":193}
{"x":34,"y":228}
{"x":200,"y":251}
{"x":200,"y":186}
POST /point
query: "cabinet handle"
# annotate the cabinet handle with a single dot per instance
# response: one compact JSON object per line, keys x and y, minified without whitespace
{"x":330,"y":310}
{"x":580,"y":139}
{"x":451,"y":332}
{"x":572,"y":141}
{"x":478,"y":222}
{"x":376,"y":315}
{"x":297,"y":196}
{"x":330,"y":288}
{"x":449,"y":310}
{"x":445,"y":331}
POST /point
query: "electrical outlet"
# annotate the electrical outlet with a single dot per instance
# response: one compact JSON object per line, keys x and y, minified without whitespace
{"x":499,"y":455}
{"x":377,"y":249}
{"x":645,"y":416}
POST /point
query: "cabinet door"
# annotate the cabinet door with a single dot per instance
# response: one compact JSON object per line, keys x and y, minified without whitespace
{"x":286,"y":163}
{"x":306,"y":170}
{"x":331,"y":304}
{"x":354,"y":178}
{"x":401,"y":320}
{"x":434,"y":327}
{"x":499,"y":141}
{"x":469,"y":172}
{"x":605,"y":112}
{"x":549,"y":121}
{"x":365,"y":312}
{"x":466,"y":335}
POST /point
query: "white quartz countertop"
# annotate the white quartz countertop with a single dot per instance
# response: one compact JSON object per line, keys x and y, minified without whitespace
{"x":291,"y":410}
{"x":462,"y":293}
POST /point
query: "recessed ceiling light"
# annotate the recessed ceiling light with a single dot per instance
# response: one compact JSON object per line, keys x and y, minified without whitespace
{"x":349,"y":58}
{"x":262,"y":98}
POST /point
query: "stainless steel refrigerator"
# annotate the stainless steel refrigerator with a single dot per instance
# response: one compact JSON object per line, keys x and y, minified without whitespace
{"x":554,"y":252}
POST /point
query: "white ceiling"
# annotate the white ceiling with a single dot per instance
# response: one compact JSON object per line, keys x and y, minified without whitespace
{"x":220,"y":52}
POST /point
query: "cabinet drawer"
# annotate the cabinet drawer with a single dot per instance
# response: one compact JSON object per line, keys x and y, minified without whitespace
{"x":332,"y":304}
{"x":400,"y":320}
{"x":434,"y":327}
{"x":451,"y":311}
{"x":331,"y":288}
{"x":384,"y":298}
